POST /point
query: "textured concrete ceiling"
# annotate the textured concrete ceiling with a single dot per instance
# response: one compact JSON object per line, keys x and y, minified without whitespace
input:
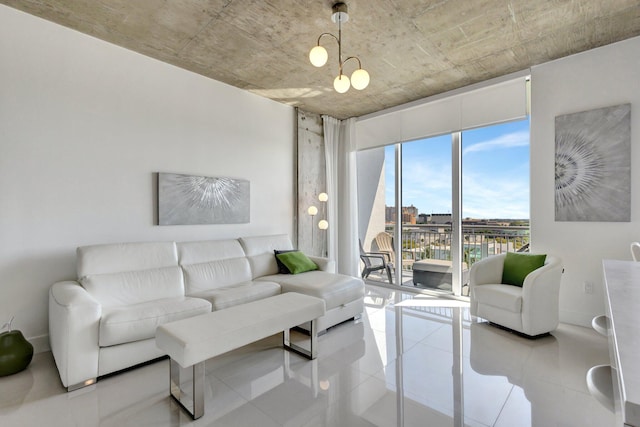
{"x":411,"y":48}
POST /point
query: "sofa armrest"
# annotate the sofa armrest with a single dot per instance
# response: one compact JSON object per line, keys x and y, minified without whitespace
{"x":541,"y":293}
{"x":324,"y":264}
{"x":487,"y":271}
{"x":74,"y":322}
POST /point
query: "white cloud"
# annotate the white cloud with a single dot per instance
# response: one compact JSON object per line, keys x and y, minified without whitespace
{"x":509,"y":140}
{"x":504,"y":198}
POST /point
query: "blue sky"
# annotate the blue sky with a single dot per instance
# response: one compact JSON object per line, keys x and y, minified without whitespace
{"x":495,"y":172}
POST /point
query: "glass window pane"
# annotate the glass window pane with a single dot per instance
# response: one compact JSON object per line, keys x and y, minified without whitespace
{"x":376,"y":177}
{"x":495,"y":190}
{"x":427,"y":213}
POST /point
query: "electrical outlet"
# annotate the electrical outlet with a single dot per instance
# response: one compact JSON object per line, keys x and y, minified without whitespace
{"x":588,"y":287}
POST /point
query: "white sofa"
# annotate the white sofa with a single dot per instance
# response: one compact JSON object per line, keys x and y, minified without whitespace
{"x":106,"y":320}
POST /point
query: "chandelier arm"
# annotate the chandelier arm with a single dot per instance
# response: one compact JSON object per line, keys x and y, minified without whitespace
{"x":353,"y":57}
{"x":327,"y":34}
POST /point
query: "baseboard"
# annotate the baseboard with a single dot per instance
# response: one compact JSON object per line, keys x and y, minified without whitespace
{"x":40,"y":343}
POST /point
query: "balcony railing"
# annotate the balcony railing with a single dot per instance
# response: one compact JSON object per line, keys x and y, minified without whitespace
{"x":479,"y":241}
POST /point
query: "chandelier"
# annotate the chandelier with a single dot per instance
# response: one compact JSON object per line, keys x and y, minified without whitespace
{"x":318,"y":55}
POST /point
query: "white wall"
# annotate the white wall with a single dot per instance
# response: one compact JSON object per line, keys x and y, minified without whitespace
{"x":84,"y":125}
{"x":598,"y":78}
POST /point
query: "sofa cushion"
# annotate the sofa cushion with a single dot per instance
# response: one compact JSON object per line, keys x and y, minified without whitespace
{"x":297,"y":262}
{"x":212,"y":264}
{"x":136,"y":322}
{"x":209,"y":250}
{"x":505,"y":297}
{"x":121,"y":257}
{"x":335,"y":289}
{"x":518,"y":266}
{"x":134,"y":287}
{"x":282,"y":269}
{"x":259,"y":251}
{"x":239,"y":293}
{"x":215,"y":274}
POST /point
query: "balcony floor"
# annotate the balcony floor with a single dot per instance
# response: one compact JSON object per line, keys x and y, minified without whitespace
{"x":378,"y":279}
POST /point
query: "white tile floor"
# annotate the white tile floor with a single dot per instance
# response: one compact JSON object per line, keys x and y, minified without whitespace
{"x":411,"y":361}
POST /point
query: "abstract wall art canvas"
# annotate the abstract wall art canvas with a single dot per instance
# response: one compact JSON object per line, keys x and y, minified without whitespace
{"x":189,"y":199}
{"x":593,"y":166}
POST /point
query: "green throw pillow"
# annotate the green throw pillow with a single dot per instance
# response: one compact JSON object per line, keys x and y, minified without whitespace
{"x":297,"y":262}
{"x":518,"y":266}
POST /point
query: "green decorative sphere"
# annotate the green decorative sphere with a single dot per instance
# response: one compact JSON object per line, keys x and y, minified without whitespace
{"x":15,"y":353}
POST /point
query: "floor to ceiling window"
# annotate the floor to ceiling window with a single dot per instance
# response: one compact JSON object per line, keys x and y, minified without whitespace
{"x":448,"y":202}
{"x":495,"y":189}
{"x":427,"y":211}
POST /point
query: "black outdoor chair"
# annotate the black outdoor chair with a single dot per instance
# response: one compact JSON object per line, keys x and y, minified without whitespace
{"x":375,"y":261}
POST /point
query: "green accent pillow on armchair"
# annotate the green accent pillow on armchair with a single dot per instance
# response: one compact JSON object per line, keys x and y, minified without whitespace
{"x":517,"y":266}
{"x":296,"y":262}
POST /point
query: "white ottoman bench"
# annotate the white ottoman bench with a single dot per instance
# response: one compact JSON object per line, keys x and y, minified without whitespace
{"x":190,"y":342}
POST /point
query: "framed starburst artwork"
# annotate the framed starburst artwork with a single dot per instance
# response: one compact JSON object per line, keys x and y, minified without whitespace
{"x":190,"y":199}
{"x":593,"y":166}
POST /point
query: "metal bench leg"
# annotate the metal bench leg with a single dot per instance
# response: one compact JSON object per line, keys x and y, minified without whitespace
{"x":191,"y":401}
{"x":312,"y":353}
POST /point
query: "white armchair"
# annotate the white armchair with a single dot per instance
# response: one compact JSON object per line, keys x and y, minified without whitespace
{"x":532,"y":309}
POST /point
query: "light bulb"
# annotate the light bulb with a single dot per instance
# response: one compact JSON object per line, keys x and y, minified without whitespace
{"x":323,"y":224}
{"x":360,"y":79}
{"x":318,"y":56}
{"x":341,"y":83}
{"x":312,"y":210}
{"x":323,"y":197}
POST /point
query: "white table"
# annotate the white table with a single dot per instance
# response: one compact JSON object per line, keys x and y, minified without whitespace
{"x":622,"y":300}
{"x":190,"y":342}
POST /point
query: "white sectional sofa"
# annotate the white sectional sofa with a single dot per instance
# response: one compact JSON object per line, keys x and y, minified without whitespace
{"x":106,"y":320}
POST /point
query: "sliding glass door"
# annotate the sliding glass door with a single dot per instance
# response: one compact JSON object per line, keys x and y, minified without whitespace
{"x":447,"y":202}
{"x":427,"y":219}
